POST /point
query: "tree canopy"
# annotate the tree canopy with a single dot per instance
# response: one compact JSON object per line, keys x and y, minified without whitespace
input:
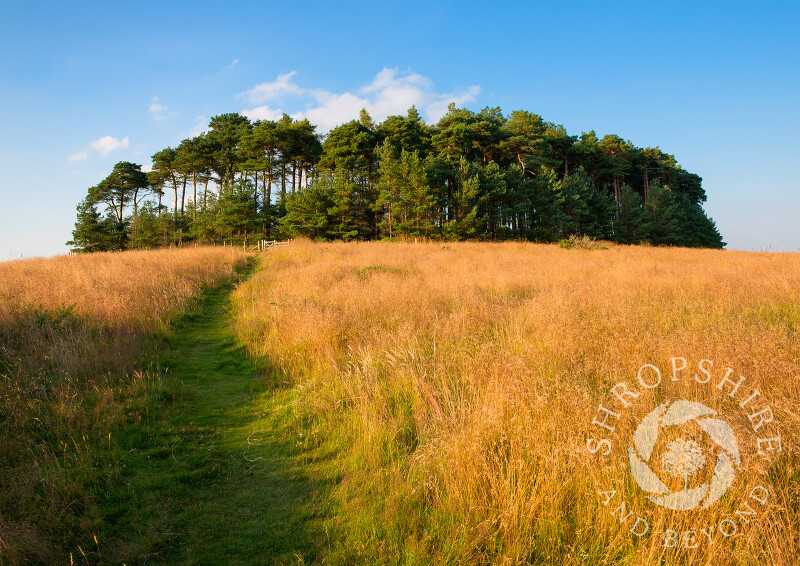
{"x":472,"y":175}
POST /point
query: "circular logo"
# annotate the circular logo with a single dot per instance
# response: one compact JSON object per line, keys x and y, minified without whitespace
{"x":683,"y":458}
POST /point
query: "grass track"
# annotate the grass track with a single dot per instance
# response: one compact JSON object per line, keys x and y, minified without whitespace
{"x":222,"y":475}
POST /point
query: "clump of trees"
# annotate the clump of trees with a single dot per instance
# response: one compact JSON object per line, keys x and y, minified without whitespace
{"x":483,"y":176}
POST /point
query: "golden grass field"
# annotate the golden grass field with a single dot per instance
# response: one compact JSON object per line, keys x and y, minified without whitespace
{"x":77,"y":316}
{"x":451,"y":387}
{"x":74,"y":335}
{"x":460,"y":382}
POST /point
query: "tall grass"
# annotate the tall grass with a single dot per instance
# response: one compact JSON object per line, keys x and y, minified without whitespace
{"x":459,"y":383}
{"x":74,"y":332}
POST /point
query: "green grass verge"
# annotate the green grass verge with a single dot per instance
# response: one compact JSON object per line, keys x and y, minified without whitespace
{"x":214,"y":467}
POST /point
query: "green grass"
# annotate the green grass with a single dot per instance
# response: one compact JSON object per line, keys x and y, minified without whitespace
{"x":218,"y":466}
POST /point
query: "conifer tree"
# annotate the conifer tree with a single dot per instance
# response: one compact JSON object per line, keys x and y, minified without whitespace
{"x":631,"y":225}
{"x":90,"y":234}
{"x":471,"y":175}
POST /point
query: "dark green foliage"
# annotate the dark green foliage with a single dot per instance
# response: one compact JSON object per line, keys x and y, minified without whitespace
{"x":632,"y":225}
{"x":226,"y":133}
{"x":120,"y":188}
{"x":524,"y":141}
{"x":405,"y":199}
{"x":663,"y":217}
{"x":453,"y":136}
{"x":464,"y":222}
{"x":407,"y":133}
{"x":701,"y":231}
{"x":678,"y":219}
{"x":154,"y":228}
{"x":350,"y":147}
{"x":89,"y":234}
{"x":471,"y":176}
{"x":236,"y":212}
{"x":307,"y":212}
{"x":349,"y":213}
{"x":579,"y":208}
{"x":94,"y":235}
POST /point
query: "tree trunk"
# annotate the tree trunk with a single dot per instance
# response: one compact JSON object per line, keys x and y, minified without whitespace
{"x":268,"y":202}
{"x":255,"y":194}
{"x":194,"y":188}
{"x":183,"y":195}
{"x":283,"y":180}
{"x":135,"y":212}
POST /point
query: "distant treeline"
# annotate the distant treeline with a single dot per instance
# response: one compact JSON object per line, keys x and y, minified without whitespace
{"x":479,"y":176}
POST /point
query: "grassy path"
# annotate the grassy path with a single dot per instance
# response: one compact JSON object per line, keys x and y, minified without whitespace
{"x":222,"y":475}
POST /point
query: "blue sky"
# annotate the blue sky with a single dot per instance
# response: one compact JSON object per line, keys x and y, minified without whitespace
{"x":88,"y":84}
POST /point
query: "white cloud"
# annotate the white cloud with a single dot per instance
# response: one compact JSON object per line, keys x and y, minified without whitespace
{"x":390,"y":92}
{"x":200,"y":126}
{"x":438,"y":108}
{"x":159,"y":111}
{"x":263,"y":113}
{"x":334,"y":109}
{"x":265,"y":92}
{"x":107,"y":144}
{"x":388,"y":78}
{"x":103,"y":146}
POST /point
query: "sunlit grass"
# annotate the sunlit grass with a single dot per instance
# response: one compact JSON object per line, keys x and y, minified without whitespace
{"x":459,"y":382}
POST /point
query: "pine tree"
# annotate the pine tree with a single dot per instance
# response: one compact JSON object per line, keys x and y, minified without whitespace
{"x":391,"y":186}
{"x":663,"y":210}
{"x":471,"y":176}
{"x":492,"y":199}
{"x":631,"y":225}
{"x":308,"y":212}
{"x":419,"y":202}
{"x":90,"y":233}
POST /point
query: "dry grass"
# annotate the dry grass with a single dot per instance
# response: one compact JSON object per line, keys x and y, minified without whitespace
{"x":54,"y":311}
{"x":136,"y":288}
{"x":74,"y":331}
{"x":463,"y":380}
